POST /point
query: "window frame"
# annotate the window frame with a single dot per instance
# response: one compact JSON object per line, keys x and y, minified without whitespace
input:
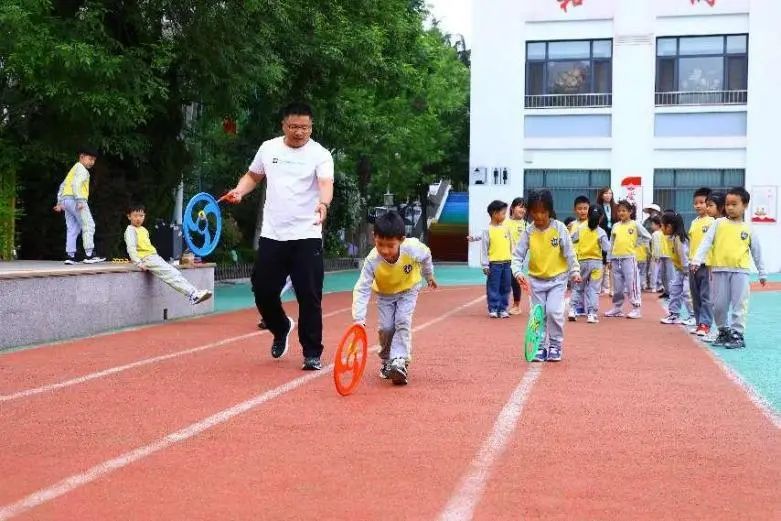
{"x":724,"y":55}
{"x":689,"y":212}
{"x":546,"y":60}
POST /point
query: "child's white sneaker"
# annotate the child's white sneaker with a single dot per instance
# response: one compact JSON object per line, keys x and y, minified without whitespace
{"x":493,"y":314}
{"x":504,"y":314}
{"x":592,"y":318}
{"x":614,"y":313}
{"x":572,"y":316}
{"x":200,"y":296}
{"x":635,"y":313}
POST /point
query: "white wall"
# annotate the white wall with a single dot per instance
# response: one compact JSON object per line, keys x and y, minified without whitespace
{"x":498,"y":83}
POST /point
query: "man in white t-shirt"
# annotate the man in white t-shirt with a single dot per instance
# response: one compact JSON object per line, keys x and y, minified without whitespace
{"x":299,"y":174}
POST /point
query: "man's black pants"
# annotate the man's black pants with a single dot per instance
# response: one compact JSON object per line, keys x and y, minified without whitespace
{"x":303,"y":261}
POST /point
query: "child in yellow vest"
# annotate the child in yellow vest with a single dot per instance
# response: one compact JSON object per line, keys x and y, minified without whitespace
{"x":673,"y":227}
{"x":495,"y":259}
{"x":552,"y":262}
{"x":395,"y":269}
{"x":665,"y":262}
{"x":516,"y":223}
{"x":699,"y":281}
{"x":145,"y":257}
{"x":625,"y":235}
{"x":72,"y":200}
{"x":581,"y":208}
{"x":590,"y":243}
{"x":731,"y":244}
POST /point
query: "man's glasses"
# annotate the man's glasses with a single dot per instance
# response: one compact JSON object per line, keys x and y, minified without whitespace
{"x":305,"y":128}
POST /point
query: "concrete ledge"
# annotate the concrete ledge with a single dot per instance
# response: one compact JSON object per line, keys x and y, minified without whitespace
{"x":48,"y":302}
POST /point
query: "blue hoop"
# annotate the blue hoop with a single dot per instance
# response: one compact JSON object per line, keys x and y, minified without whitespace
{"x":200,"y":226}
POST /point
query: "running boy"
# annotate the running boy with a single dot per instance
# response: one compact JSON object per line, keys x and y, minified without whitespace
{"x":731,"y":244}
{"x":394,"y":270}
{"x":72,"y":199}
{"x":625,"y":236}
{"x":496,"y":256}
{"x":699,"y":281}
{"x":144,"y":255}
{"x":552,"y":262}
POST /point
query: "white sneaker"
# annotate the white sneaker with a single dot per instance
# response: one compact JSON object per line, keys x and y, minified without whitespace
{"x":493,"y":314}
{"x":592,"y":319}
{"x":712,"y":335}
{"x":504,"y":314}
{"x":572,"y":316}
{"x":690,"y":322}
{"x":635,"y":313}
{"x":614,"y":313}
{"x":200,"y":296}
{"x":671,"y":319}
{"x":92,"y":259}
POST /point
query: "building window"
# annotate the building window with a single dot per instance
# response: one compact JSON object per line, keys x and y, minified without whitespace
{"x":572,"y":73}
{"x":674,"y":189}
{"x":566,"y":185}
{"x":702,"y":70}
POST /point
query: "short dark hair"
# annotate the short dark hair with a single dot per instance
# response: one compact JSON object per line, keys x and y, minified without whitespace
{"x":542,"y":198}
{"x":390,"y":225}
{"x":87,"y":150}
{"x":582,"y":199}
{"x":626,"y":204}
{"x":297,"y":108}
{"x":655,"y":220}
{"x":496,"y":206}
{"x":740,"y":192}
{"x":136,"y":207}
{"x":702,"y":192}
{"x":569,"y":220}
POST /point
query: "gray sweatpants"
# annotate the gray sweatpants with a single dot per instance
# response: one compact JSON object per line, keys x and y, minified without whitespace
{"x":625,"y":280}
{"x":168,"y":274}
{"x":78,"y":222}
{"x":394,"y":321}
{"x":642,"y":273}
{"x":730,"y":296}
{"x":666,"y":269}
{"x":680,"y":296}
{"x":550,"y":293}
{"x":586,"y":294}
{"x":699,"y":282}
{"x":655,"y":281}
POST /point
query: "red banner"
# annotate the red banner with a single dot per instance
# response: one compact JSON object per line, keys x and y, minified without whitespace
{"x":564,"y":4}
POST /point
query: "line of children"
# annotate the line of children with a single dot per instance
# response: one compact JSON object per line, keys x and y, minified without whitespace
{"x":552,"y":262}
{"x":625,"y":235}
{"x":394,"y":270}
{"x":730,"y":244}
{"x":144,"y":255}
{"x":590,"y":242}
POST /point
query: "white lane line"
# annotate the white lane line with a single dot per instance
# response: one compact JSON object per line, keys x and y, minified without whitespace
{"x":140,"y":363}
{"x":462,"y":503}
{"x":767,"y":410}
{"x":75,"y":481}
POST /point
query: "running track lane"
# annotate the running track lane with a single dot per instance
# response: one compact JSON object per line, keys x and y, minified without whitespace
{"x":196,"y":469}
{"x":637,"y":423}
{"x":32,"y":368}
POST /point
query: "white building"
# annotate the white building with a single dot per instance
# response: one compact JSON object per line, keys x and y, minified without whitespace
{"x":677,"y":93}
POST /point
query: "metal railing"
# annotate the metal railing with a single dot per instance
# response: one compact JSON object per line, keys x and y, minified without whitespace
{"x":244,"y":271}
{"x":566,"y":101}
{"x":708,"y":97}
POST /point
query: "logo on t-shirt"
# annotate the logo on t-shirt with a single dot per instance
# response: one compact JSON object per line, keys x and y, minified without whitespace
{"x":275,"y":160}
{"x":408,"y":268}
{"x":554,"y":242}
{"x":630,"y":231}
{"x":705,"y":228}
{"x":743,"y":235}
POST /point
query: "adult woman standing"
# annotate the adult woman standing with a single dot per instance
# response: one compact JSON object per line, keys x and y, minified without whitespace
{"x":607,"y":203}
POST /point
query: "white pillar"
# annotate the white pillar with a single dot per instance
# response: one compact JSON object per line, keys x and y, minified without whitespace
{"x":633,"y":94}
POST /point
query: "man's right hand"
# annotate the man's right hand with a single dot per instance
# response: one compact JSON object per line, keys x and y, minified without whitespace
{"x":234,"y":196}
{"x":57,"y":208}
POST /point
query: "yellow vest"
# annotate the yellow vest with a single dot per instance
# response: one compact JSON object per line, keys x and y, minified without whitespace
{"x":67,"y":189}
{"x":143,"y":244}
{"x":546,"y":258}
{"x":499,"y":244}
{"x":516,"y":228}
{"x":641,"y":253}
{"x":588,"y":247}
{"x":624,"y":239}
{"x":667,"y":246}
{"x":697,"y":231}
{"x":402,"y":275}
{"x":731,"y":245}
{"x":675,"y":256}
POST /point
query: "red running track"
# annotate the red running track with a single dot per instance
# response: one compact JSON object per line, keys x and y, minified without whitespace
{"x":637,"y":423}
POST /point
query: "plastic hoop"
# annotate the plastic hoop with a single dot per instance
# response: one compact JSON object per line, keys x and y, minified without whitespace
{"x":535,"y":332}
{"x":207,"y":210}
{"x":351,"y":357}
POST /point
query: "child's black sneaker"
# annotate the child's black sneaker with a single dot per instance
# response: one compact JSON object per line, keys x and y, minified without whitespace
{"x":93,"y":259}
{"x":385,"y":367}
{"x":398,"y":371}
{"x":279,"y":345}
{"x":312,"y":364}
{"x":723,"y":338}
{"x":70,"y":260}
{"x":735,"y":341}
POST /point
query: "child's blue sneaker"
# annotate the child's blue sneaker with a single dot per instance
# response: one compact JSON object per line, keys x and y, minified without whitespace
{"x":541,"y":356}
{"x":554,"y":354}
